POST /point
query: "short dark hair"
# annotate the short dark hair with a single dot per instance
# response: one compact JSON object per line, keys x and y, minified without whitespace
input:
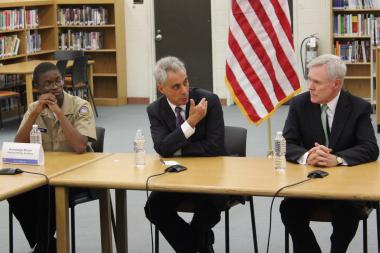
{"x":41,"y":69}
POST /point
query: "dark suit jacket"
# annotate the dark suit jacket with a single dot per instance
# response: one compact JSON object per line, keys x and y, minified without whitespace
{"x":208,"y":139}
{"x":352,"y":136}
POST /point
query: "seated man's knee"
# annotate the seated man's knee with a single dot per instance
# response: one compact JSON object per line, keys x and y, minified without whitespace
{"x":152,"y":211}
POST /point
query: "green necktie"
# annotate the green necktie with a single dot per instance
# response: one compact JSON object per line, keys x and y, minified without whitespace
{"x":325,"y":125}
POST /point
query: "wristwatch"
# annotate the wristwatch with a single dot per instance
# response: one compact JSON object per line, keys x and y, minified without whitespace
{"x":339,"y":160}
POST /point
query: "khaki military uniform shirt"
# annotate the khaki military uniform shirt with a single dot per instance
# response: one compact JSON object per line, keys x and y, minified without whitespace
{"x":76,"y":110}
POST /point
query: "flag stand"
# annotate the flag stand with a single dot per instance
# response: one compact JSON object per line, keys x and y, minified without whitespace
{"x":269,"y":132}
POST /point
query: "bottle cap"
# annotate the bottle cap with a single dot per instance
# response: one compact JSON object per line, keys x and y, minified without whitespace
{"x":139,"y":134}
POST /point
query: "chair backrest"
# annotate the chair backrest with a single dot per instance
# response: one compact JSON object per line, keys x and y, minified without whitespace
{"x":235,"y":140}
{"x":98,"y":145}
{"x":61,"y":65}
{"x":80,"y":70}
{"x":67,"y":54}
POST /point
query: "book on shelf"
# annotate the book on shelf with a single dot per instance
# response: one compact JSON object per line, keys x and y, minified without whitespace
{"x":356,"y":4}
{"x":82,"y":40}
{"x":32,"y":19}
{"x":353,"y":51}
{"x":9,"y":45}
{"x":33,"y":42}
{"x":11,"y":19}
{"x":10,"y":81}
{"x":84,"y":15}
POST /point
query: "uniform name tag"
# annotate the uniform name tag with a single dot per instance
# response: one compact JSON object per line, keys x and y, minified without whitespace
{"x":23,"y":153}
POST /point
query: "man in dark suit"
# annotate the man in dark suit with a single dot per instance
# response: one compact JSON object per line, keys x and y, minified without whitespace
{"x":326,"y":127}
{"x":185,"y":122}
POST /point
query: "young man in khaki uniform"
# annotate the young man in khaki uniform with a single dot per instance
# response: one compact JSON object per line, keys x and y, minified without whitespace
{"x":67,"y":124}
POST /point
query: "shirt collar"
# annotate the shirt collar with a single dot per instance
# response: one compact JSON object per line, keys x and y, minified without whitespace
{"x":173,"y":106}
{"x":332,"y":104}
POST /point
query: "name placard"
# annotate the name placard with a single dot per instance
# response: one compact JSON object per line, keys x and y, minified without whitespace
{"x":23,"y":153}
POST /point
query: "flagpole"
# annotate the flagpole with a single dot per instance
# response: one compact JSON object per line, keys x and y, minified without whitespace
{"x":269,"y":132}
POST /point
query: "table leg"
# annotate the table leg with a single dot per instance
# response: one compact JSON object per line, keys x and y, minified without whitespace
{"x":121,"y":221}
{"x":29,"y":88}
{"x":62,"y":219}
{"x":105,"y":220}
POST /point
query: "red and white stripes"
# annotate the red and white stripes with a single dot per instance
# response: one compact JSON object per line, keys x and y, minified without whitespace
{"x":260,"y":67}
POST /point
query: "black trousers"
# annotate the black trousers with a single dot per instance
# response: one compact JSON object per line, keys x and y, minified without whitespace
{"x":32,"y":211}
{"x":161,"y":210}
{"x":296,"y":213}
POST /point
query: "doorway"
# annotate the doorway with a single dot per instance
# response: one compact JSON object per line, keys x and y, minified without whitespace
{"x":183,"y":29}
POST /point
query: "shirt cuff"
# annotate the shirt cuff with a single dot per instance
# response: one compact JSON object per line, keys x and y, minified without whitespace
{"x":303,"y":159}
{"x":187,"y":129}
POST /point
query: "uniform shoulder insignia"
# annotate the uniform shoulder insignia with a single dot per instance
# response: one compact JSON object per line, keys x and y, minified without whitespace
{"x":83,"y":110}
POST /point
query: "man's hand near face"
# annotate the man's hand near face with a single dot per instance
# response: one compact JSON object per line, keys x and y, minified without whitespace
{"x":321,"y":156}
{"x":45,"y":101}
{"x":197,"y":112}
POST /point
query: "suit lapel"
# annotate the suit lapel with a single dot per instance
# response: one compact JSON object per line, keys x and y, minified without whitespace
{"x":341,"y":115}
{"x":167,"y":113}
{"x":316,"y":123}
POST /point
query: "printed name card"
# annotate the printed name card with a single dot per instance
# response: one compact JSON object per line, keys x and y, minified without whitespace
{"x":23,"y":153}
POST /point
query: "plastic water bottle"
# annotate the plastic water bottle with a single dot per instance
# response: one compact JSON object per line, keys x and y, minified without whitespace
{"x":139,"y":147}
{"x":35,"y":135}
{"x":279,"y":152}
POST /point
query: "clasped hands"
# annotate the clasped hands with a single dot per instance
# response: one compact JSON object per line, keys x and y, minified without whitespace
{"x":47,"y":100}
{"x":197,"y":112}
{"x":321,"y":156}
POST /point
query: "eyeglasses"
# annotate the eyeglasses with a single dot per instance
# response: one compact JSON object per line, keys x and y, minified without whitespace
{"x":49,"y":85}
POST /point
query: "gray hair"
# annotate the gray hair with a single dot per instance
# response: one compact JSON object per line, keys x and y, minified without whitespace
{"x":168,"y":63}
{"x":336,"y":67}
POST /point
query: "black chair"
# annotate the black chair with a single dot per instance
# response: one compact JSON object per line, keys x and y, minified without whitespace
{"x":81,"y":195}
{"x":324,"y":215}
{"x":67,"y":54}
{"x":61,"y":65}
{"x":80,"y":81}
{"x":235,"y":139}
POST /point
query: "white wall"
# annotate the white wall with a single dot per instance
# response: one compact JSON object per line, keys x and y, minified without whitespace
{"x":309,"y":17}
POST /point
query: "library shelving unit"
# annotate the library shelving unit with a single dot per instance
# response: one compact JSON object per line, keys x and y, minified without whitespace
{"x":109,"y":70}
{"x":16,"y":39}
{"x":110,"y":61}
{"x":353,"y":38}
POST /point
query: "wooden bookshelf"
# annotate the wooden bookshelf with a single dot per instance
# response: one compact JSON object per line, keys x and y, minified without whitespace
{"x":360,"y":73}
{"x":110,"y":61}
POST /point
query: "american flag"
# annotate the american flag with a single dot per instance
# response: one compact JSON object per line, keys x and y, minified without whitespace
{"x":260,"y":65}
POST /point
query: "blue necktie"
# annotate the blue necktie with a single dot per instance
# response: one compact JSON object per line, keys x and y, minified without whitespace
{"x":178,"y":119}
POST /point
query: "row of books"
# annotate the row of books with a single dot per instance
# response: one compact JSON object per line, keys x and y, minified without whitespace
{"x":33,"y":42}
{"x":356,"y":4}
{"x":86,"y":15}
{"x":350,"y":24}
{"x":8,"y":104}
{"x":11,"y":19}
{"x":354,"y":51}
{"x":358,"y":25}
{"x":81,"y":40}
{"x":9,"y":81}
{"x":9,"y":45}
{"x":32,"y":20}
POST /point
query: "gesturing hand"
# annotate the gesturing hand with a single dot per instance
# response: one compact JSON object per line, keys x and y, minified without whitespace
{"x":197,"y":112}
